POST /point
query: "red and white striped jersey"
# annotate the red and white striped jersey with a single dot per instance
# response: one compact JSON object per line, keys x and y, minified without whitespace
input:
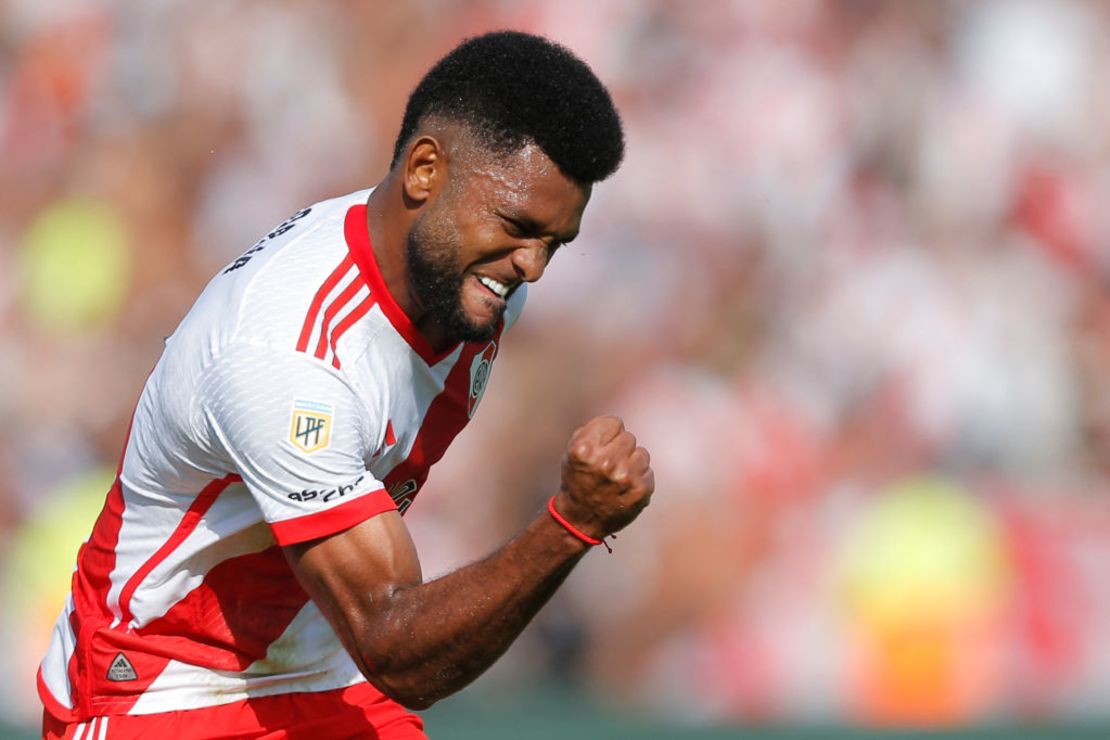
{"x":295,"y":400}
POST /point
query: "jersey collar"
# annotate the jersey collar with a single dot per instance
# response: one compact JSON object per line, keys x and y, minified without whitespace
{"x":357,"y":232}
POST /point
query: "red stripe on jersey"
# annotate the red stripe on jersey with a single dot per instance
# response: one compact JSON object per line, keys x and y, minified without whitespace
{"x":232,"y":617}
{"x":359,"y":311}
{"x":358,"y":242}
{"x":359,"y":709}
{"x":448,"y":413}
{"x":335,"y":519}
{"x":318,"y":300}
{"x":91,"y":583}
{"x":226,"y":623}
{"x":97,"y":558}
{"x":53,"y":706}
{"x":335,"y":307}
{"x":185,"y":527}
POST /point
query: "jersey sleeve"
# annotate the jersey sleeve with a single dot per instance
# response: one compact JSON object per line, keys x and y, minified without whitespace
{"x":299,"y":436}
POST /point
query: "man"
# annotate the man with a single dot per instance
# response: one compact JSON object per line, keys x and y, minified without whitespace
{"x":250,"y":574}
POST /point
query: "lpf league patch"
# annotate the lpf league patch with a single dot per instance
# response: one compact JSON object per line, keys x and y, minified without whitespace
{"x":310,"y":428}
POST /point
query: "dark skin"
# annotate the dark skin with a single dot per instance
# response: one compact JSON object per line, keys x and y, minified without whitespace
{"x":420,"y":641}
{"x":508,"y":214}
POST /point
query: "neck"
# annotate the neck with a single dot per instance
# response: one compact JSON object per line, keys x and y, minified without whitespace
{"x":389,"y":216}
{"x":388,"y":220}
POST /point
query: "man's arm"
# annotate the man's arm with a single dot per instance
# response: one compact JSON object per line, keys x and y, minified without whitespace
{"x":419,"y":642}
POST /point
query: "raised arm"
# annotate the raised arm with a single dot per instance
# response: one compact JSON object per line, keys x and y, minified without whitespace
{"x":419,"y":642}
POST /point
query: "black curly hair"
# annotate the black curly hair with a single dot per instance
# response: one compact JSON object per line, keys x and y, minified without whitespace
{"x":511,"y":88}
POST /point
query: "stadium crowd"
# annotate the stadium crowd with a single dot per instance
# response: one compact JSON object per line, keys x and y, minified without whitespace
{"x":849,"y":288}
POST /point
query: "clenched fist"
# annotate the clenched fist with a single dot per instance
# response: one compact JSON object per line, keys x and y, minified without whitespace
{"x":607,"y":479}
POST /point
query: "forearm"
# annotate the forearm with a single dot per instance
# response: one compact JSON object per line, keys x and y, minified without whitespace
{"x":435,"y":638}
{"x":419,"y":643}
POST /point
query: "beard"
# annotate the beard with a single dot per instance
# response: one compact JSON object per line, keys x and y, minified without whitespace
{"x":432,"y":257}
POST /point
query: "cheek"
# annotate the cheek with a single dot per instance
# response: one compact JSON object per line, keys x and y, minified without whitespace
{"x":437,"y":233}
{"x":469,"y":225}
{"x":479,"y":240}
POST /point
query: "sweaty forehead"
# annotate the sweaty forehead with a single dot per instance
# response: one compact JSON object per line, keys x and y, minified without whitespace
{"x":525,"y":180}
{"x":515,"y":171}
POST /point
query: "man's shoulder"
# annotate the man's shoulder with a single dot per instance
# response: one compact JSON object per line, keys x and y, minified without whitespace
{"x":319,"y":225}
{"x":276,"y":282}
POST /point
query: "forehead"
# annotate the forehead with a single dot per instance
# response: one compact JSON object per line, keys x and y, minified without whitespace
{"x":526,"y":182}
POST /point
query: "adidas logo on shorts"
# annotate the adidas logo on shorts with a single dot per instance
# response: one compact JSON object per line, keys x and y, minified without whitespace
{"x":121,"y":669}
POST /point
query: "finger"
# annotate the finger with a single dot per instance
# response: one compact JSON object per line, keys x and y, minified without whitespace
{"x":603,"y":429}
{"x":639,"y":460}
{"x":619,"y":448}
{"x":588,"y":443}
{"x":634,"y":474}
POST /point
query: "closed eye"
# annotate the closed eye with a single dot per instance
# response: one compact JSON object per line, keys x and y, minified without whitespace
{"x":522,"y":227}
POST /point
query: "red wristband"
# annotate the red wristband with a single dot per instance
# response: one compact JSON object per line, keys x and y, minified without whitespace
{"x":593,"y":541}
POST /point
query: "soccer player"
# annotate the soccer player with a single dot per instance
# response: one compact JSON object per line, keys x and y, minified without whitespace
{"x":250,"y":574}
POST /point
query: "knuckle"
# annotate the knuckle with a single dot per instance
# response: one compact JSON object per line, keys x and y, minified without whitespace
{"x":610,"y":421}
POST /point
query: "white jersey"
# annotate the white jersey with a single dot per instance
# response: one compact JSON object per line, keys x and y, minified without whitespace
{"x":294,"y":401}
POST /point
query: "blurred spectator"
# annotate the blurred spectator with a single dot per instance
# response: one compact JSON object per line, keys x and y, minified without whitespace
{"x":849,"y":288}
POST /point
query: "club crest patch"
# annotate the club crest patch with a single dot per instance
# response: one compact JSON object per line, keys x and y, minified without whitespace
{"x":310,"y":427}
{"x":479,"y":376}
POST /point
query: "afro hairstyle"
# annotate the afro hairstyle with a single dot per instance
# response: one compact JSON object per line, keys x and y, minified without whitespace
{"x":511,"y":88}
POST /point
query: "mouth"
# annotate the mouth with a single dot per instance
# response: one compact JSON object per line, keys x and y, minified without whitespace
{"x":498,"y":289}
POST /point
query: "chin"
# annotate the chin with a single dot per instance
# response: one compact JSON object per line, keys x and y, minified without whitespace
{"x":483,"y":322}
{"x":468,"y":328}
{"x":481,"y":332}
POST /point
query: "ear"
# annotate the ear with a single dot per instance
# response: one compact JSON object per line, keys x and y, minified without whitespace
{"x":425,"y":168}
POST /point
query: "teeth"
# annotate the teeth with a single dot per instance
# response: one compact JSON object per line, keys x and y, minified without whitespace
{"x":496,"y":287}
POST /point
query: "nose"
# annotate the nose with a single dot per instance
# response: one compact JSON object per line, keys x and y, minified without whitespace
{"x":529,"y":261}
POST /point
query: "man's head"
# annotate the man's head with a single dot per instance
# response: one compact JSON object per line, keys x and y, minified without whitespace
{"x":500,"y":145}
{"x":510,"y":88}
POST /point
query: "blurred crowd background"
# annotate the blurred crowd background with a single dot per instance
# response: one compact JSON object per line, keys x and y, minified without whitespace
{"x":850,"y":289}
